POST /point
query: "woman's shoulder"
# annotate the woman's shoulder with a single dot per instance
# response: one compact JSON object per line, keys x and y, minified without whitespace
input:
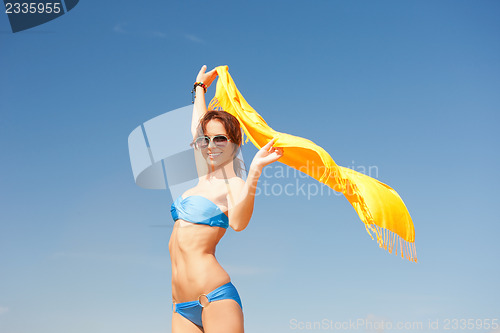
{"x":237,"y":181}
{"x":235,"y":185}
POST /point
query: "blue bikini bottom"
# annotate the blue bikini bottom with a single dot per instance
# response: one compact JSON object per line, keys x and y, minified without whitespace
{"x":192,"y":310}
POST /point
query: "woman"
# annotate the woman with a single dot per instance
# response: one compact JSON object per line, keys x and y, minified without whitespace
{"x":204,"y":298}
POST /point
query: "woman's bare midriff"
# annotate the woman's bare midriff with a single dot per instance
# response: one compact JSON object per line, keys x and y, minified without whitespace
{"x":195,"y":270}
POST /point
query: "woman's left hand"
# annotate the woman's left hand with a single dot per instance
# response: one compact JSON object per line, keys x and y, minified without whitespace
{"x":208,"y":77}
{"x":267,"y":154}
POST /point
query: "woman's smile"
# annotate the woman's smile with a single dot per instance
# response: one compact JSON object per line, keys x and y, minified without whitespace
{"x":214,"y":155}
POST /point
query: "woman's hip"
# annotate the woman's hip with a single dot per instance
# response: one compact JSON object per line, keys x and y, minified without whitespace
{"x":190,"y":282}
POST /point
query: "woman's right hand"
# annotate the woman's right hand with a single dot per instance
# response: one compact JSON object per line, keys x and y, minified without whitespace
{"x":267,"y":155}
{"x":206,"y":78}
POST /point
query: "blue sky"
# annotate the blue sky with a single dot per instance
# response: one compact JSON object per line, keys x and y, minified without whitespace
{"x":409,"y":88}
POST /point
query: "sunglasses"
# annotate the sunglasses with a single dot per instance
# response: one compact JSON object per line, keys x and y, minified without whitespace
{"x":219,"y":141}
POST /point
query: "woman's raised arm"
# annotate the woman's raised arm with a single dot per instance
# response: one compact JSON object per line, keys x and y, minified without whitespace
{"x":242,"y":209}
{"x":200,"y":107}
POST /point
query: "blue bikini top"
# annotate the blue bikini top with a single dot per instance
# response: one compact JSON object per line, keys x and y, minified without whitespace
{"x":200,"y":210}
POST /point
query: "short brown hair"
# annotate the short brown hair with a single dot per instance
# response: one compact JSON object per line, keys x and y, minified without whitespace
{"x":231,"y":124}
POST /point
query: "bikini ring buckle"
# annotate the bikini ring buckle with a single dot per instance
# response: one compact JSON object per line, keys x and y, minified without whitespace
{"x":203,"y":299}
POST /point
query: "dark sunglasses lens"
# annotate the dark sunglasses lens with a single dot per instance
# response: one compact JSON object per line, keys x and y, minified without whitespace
{"x":220,"y":140}
{"x":202,"y":142}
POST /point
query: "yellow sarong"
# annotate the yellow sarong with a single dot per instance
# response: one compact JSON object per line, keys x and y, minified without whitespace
{"x":378,"y":205}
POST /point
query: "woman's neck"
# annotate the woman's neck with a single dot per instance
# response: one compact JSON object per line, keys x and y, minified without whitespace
{"x":223,"y":172}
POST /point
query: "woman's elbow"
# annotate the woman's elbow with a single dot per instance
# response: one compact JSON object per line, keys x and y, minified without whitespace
{"x":238,"y":226}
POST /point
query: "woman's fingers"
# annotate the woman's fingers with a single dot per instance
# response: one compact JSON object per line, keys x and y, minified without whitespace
{"x":211,"y":75}
{"x":268,"y":154}
{"x":206,"y":77}
{"x":274,"y":153}
{"x":278,"y":152}
{"x":201,"y":73}
{"x":268,"y":145}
